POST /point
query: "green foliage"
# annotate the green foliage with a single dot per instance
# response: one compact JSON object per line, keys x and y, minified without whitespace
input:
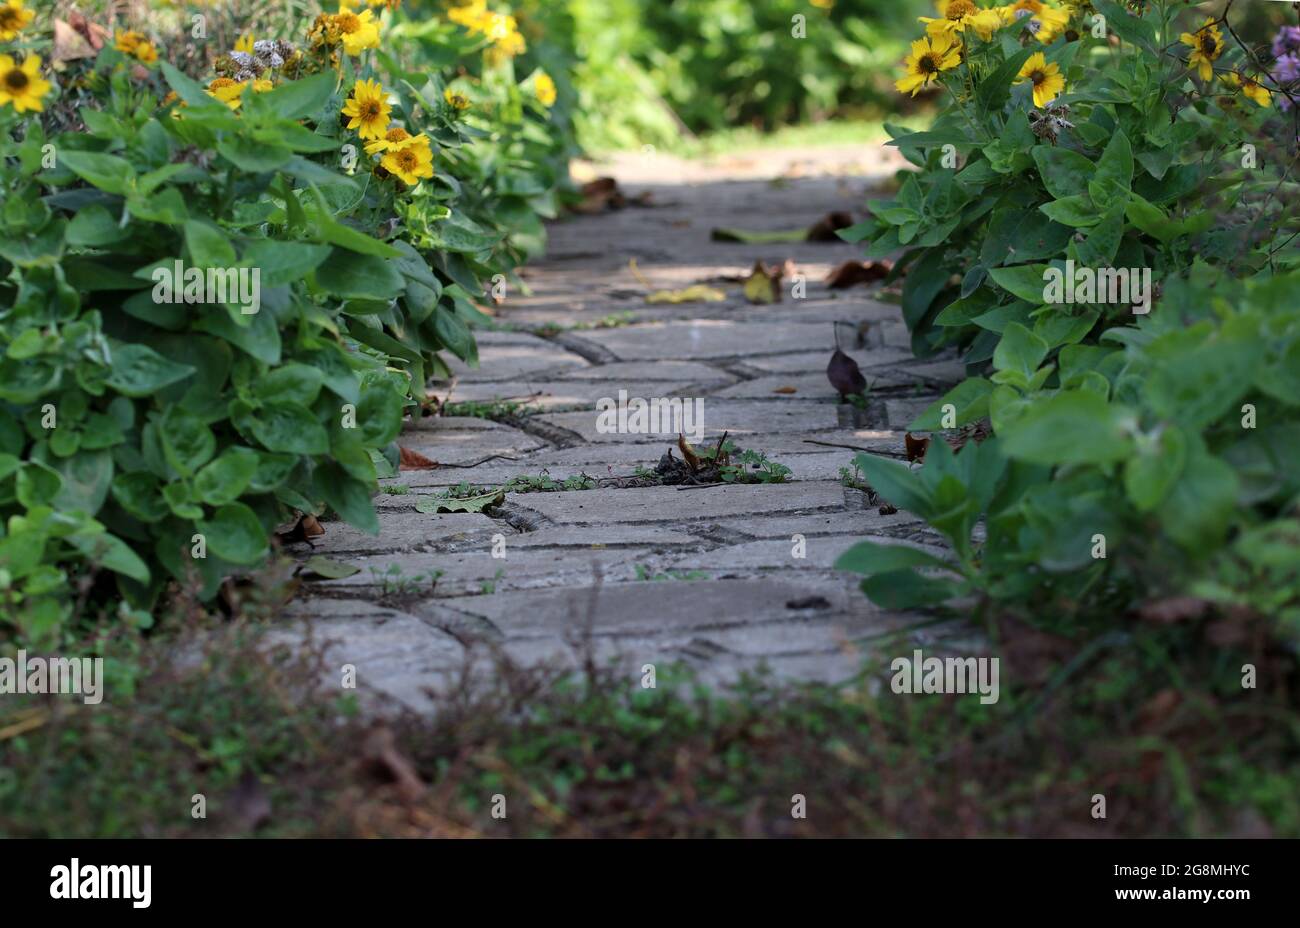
{"x":1137,"y":454}
{"x":151,"y":434}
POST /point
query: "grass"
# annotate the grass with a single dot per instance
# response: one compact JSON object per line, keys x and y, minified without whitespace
{"x":829,"y":133}
{"x":1154,"y":719}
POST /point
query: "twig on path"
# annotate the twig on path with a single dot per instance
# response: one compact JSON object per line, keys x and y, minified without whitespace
{"x":490,"y":457}
{"x":831,"y":444}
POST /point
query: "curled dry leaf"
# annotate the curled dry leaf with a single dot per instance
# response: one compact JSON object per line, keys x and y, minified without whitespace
{"x":845,"y":375}
{"x":786,"y":390}
{"x":413,"y":460}
{"x":916,"y":447}
{"x":851,"y":273}
{"x":688,"y":452}
{"x":824,"y":229}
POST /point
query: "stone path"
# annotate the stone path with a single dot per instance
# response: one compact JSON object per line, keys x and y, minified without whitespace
{"x":658,"y":574}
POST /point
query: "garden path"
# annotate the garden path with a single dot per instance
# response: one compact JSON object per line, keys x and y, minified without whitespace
{"x":705,"y":576}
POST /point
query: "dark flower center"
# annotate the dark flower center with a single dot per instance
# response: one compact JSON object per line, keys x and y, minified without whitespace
{"x":1208,"y":45}
{"x":16,"y":80}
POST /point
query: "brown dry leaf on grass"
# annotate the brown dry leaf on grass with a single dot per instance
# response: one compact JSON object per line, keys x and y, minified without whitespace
{"x":71,"y":43}
{"x":851,"y":273}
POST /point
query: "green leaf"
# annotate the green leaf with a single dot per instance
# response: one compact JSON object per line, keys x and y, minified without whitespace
{"x":320,"y":567}
{"x":907,"y":589}
{"x":187,"y":442}
{"x":1114,"y":176}
{"x":870,"y":557}
{"x":429,"y":504}
{"x":1019,"y":350}
{"x":347,"y":496}
{"x":1076,"y":427}
{"x":1075,"y":211}
{"x":291,"y":428}
{"x":225,"y":479}
{"x":1201,"y":505}
{"x":235,"y":534}
{"x":355,"y":276}
{"x":1149,"y":476}
{"x":112,"y":554}
{"x":107,"y":172}
{"x":208,"y":245}
{"x":1065,"y":173}
{"x":970,"y":402}
{"x":894,"y":481}
{"x":139,"y":371}
{"x":303,"y":97}
{"x":1025,"y":281}
{"x":87,"y":478}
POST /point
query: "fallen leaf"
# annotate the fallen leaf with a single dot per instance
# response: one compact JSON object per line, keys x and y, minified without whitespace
{"x":851,"y":273}
{"x":916,"y":447}
{"x":824,"y":229}
{"x":69,"y":43}
{"x":845,"y":375}
{"x":689,"y":453}
{"x":694,"y":294}
{"x":324,"y":568}
{"x":436,"y":504}
{"x":413,"y":460}
{"x":785,"y":390}
{"x":749,"y":237}
{"x":763,"y":285}
{"x":887,"y":509}
{"x":92,"y":32}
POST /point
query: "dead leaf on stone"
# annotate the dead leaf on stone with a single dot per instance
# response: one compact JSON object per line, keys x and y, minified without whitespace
{"x":916,"y":447}
{"x":851,"y":273}
{"x":604,"y":193}
{"x":413,"y":460}
{"x":301,"y":529}
{"x":763,"y":285}
{"x":689,"y":453}
{"x":824,"y":229}
{"x":786,"y":390}
{"x":436,"y":504}
{"x":697,"y":293}
{"x":324,"y":568}
{"x":845,"y":375}
{"x":380,"y":753}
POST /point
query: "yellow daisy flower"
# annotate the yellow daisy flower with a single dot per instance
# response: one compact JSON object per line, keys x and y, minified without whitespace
{"x":127,"y":41}
{"x":457,"y":101}
{"x":22,"y":85}
{"x":146,"y":52}
{"x":409,"y":161}
{"x":358,"y":30}
{"x":227,"y":91}
{"x":545,"y":88}
{"x":262,"y":85}
{"x":1207,"y":45}
{"x":244,"y":43}
{"x":1249,"y":87}
{"x":930,"y":56}
{"x":390,"y":138}
{"x":957,"y":15}
{"x":368,"y":108}
{"x":1047,"y":79}
{"x":13,"y":19}
{"x":1046,"y":22}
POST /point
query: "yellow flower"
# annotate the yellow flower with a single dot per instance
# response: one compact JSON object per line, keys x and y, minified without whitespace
{"x":1047,"y":79}
{"x":456,"y":100}
{"x":22,"y":85}
{"x":227,"y":91}
{"x":545,"y":88}
{"x":127,"y":41}
{"x":244,"y":43}
{"x":369,"y":109}
{"x":1046,"y":22}
{"x":390,"y":138}
{"x":930,"y":56}
{"x":409,"y":160}
{"x":13,"y":18}
{"x":262,"y":85}
{"x":472,"y":16}
{"x":1207,"y":45}
{"x":1249,"y":87}
{"x":145,"y":51}
{"x":956,"y":15}
{"x":358,"y":30}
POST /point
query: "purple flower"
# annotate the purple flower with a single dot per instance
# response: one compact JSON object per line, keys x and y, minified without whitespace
{"x":1287,"y":68}
{"x":1287,"y":41}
